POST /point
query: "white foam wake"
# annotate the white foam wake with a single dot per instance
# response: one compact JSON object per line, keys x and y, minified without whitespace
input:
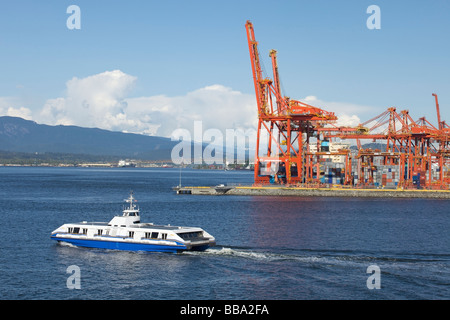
{"x":67,"y":244}
{"x":315,"y":259}
{"x":248,"y":254}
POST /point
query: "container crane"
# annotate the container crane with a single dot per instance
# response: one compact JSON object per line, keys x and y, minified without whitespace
{"x":283,"y":120}
{"x":414,"y":147}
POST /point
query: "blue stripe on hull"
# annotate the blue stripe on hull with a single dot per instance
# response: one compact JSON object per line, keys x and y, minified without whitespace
{"x":116,"y":245}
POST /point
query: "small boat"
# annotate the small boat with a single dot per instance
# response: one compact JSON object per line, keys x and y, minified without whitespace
{"x":126,"y":232}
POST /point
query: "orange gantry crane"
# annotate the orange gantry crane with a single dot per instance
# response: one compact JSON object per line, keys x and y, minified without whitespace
{"x":416,"y":147}
{"x":283,"y":121}
{"x":419,"y":150}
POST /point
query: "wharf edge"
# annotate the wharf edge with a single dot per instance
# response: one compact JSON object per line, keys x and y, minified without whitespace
{"x":312,"y":192}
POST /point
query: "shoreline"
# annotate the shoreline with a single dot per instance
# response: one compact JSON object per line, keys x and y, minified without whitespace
{"x":313,"y":192}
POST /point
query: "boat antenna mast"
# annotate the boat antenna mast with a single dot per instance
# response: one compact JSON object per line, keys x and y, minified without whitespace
{"x":131,"y":201}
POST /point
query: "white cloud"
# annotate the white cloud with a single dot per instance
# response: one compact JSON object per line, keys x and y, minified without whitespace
{"x":13,"y":107}
{"x":345,"y":120}
{"x":348,"y":113}
{"x":102,"y":100}
{"x":216,"y":106}
{"x":94,"y":101}
{"x":21,"y":112}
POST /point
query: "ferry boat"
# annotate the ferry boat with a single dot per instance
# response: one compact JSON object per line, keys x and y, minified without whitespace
{"x":126,"y":232}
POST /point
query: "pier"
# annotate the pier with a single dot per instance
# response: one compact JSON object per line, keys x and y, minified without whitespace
{"x":311,"y":192}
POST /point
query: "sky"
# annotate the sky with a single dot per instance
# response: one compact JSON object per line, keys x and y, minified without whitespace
{"x":152,"y":67}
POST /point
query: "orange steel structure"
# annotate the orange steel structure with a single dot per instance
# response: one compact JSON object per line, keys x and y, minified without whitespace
{"x":414,"y":146}
{"x":283,"y":119}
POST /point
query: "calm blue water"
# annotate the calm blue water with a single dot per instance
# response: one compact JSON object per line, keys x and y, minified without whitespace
{"x":268,"y":248}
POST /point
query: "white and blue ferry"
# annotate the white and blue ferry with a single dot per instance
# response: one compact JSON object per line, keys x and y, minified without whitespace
{"x":126,"y":232}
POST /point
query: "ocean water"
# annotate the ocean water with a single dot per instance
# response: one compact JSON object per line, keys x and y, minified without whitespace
{"x":267,"y":248}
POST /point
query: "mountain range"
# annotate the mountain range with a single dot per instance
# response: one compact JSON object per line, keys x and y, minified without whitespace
{"x":25,"y":139}
{"x":25,"y":136}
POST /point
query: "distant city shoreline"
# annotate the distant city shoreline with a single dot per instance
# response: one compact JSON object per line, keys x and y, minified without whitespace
{"x":88,"y":161}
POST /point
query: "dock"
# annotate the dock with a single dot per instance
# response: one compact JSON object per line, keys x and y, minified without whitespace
{"x":311,"y":192}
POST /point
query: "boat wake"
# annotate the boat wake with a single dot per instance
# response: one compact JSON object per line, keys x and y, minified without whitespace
{"x":67,"y":244}
{"x":327,"y":258}
{"x":255,"y":254}
{"x":224,"y":251}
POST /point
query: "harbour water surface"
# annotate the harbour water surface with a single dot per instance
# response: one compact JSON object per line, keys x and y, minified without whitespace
{"x":274,"y":248}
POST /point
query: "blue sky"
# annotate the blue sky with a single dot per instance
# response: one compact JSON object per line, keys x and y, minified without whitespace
{"x":173,"y":54}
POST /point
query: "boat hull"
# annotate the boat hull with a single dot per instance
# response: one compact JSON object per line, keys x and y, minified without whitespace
{"x":130,"y":246}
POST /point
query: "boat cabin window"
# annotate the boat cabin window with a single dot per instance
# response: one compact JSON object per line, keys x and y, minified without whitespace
{"x":99,"y":232}
{"x":131,"y":234}
{"x":190,"y":235}
{"x":75,"y":230}
{"x":85,"y":230}
{"x":151,"y":235}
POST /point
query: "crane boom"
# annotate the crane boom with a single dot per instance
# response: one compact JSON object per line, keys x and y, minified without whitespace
{"x":259,"y":82}
{"x":438,"y":111}
{"x":276,"y":80}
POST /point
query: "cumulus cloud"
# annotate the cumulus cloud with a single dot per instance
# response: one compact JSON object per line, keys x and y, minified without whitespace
{"x":11,"y":106}
{"x":94,"y":101}
{"x":216,"y":106}
{"x":347,"y":113}
{"x":101,"y":101}
{"x":21,"y":112}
